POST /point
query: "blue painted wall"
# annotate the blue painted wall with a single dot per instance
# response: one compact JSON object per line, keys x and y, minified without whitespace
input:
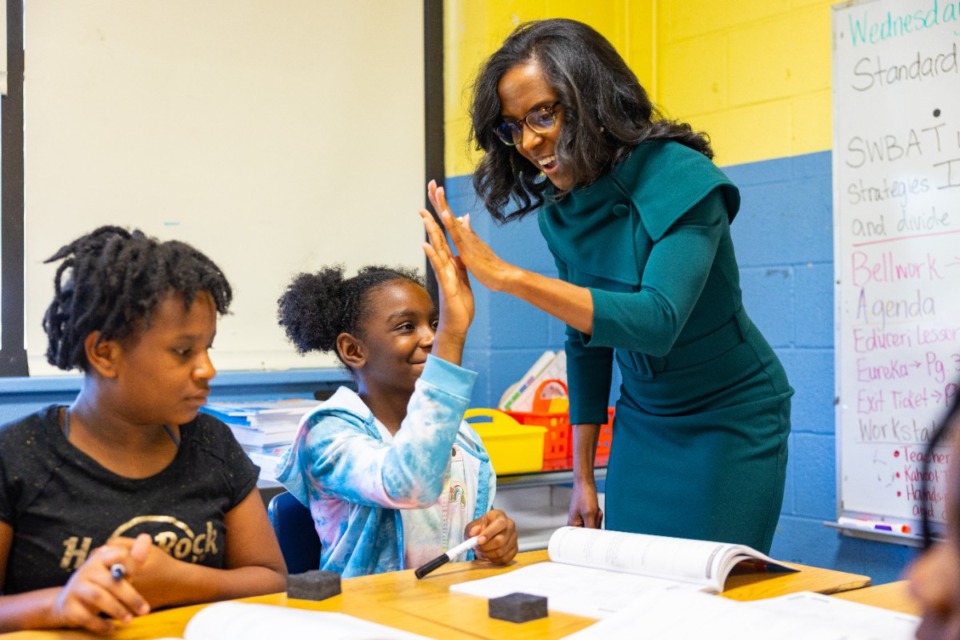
{"x":784,"y":242}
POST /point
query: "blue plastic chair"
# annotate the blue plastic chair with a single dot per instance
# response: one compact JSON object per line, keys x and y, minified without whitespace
{"x":298,"y":539}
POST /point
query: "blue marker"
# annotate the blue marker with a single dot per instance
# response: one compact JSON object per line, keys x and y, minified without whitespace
{"x":118,"y":571}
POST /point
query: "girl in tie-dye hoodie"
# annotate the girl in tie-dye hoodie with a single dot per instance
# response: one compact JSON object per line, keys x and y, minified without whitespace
{"x":391,"y":473}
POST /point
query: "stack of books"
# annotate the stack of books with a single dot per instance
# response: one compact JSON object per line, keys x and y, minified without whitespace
{"x":262,"y":425}
{"x":264,"y":429}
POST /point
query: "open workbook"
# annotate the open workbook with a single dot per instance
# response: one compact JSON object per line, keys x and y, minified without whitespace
{"x":594,"y":572}
{"x":246,"y":621}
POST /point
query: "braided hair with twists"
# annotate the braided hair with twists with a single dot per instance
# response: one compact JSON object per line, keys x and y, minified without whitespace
{"x":110,"y":281}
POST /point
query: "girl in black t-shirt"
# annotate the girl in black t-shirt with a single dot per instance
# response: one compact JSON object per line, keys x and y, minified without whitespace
{"x":127,"y":500}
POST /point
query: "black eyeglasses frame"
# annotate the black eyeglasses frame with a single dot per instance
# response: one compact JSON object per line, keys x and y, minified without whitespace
{"x":515,"y":129}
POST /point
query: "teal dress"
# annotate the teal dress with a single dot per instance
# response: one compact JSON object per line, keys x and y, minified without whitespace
{"x":700,"y":435}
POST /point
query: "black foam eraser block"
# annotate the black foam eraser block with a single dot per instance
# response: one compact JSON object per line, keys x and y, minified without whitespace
{"x":518,"y":607}
{"x":313,"y":585}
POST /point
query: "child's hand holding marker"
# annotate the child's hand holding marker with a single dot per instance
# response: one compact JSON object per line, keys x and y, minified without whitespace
{"x":137,"y":550}
{"x":444,"y":558}
{"x":99,"y":591}
{"x":147,"y":567}
{"x":497,"y":535}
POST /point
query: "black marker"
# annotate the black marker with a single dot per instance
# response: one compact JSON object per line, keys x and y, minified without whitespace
{"x":441,"y":560}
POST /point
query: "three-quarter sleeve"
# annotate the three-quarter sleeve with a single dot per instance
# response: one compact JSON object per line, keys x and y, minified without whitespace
{"x":589,"y":371}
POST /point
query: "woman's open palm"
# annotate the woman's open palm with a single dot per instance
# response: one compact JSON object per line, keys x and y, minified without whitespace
{"x":476,"y":255}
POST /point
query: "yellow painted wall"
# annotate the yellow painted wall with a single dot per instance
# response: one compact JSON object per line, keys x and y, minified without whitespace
{"x":754,"y":74}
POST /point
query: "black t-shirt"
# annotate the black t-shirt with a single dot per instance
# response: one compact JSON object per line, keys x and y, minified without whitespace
{"x":62,"y":504}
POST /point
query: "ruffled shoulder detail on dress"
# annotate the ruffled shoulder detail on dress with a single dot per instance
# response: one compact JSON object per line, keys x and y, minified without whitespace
{"x":664,"y":180}
{"x":593,"y":229}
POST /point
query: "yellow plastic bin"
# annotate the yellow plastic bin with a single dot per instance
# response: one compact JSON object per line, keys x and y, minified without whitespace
{"x":513,"y":447}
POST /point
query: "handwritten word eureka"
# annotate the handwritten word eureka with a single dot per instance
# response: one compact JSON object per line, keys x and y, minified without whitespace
{"x":865,"y":30}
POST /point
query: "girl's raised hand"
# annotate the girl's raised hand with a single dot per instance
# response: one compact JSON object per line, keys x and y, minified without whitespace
{"x":456,"y":296}
{"x":475,"y":254}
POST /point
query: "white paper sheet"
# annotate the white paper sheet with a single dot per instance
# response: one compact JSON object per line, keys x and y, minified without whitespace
{"x":685,"y":615}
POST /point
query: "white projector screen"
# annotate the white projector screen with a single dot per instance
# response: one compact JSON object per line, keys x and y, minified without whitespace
{"x":276,"y":136}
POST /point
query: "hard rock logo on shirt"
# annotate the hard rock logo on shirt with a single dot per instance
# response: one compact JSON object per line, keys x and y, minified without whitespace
{"x":172,"y":535}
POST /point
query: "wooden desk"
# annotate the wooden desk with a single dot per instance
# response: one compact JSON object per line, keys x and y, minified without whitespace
{"x":429,"y":608}
{"x":893,"y":595}
{"x":465,"y":612}
{"x":172,"y":622}
{"x":751,"y":585}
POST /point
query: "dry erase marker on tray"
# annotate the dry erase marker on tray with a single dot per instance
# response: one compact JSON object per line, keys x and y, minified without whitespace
{"x":863,"y":524}
{"x":443,"y":559}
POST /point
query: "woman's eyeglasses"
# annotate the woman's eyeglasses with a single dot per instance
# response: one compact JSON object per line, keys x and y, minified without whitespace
{"x":540,"y":120}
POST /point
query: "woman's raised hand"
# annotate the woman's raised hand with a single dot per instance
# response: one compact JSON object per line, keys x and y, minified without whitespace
{"x":456,"y":297}
{"x":477,"y":256}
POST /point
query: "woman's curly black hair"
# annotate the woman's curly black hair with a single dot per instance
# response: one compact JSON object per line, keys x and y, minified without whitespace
{"x":605,"y":114}
{"x":318,"y":307}
{"x":111,"y":279}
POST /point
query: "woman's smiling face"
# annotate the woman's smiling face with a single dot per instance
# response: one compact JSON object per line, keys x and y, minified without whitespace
{"x":397,"y":330}
{"x":523,"y":89}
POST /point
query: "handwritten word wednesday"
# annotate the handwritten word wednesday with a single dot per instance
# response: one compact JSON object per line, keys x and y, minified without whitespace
{"x":866,"y":30}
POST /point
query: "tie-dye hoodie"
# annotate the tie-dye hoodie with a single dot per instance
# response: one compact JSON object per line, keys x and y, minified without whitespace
{"x":355,"y":484}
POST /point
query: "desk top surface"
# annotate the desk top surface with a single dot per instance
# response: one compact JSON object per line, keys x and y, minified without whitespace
{"x":892,"y":595}
{"x":429,"y":608}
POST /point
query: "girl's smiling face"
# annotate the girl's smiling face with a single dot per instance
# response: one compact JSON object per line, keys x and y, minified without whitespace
{"x":397,"y":329}
{"x":524,"y":89}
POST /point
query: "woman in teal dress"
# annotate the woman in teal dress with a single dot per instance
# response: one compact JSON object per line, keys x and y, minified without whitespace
{"x":637,"y":217}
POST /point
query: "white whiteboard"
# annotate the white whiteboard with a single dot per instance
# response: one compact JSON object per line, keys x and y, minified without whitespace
{"x":896,"y":182}
{"x":274,"y":135}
